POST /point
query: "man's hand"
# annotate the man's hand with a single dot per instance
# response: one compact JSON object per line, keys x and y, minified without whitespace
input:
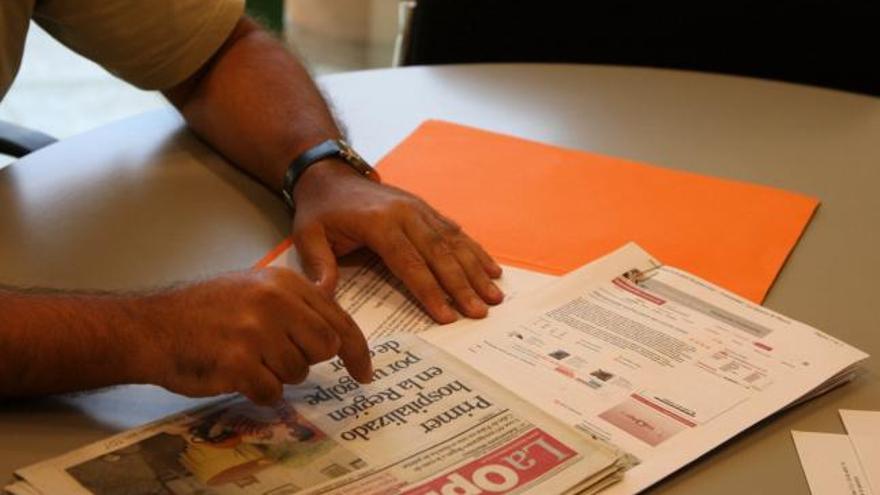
{"x":338,"y":211}
{"x":256,"y":104}
{"x":248,"y":332}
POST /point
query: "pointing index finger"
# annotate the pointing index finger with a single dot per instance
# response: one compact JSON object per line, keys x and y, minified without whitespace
{"x":354,"y":352}
{"x":353,"y":347}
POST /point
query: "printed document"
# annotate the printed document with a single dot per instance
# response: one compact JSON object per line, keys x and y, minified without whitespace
{"x":661,"y":364}
{"x":427,"y":424}
{"x":608,"y":378}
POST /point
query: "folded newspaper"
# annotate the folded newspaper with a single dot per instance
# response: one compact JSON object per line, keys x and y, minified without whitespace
{"x":609,"y":378}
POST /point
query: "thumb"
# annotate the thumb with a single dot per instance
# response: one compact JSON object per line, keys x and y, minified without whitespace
{"x":317,"y":258}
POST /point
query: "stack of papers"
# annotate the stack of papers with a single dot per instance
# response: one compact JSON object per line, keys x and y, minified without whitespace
{"x":609,"y":378}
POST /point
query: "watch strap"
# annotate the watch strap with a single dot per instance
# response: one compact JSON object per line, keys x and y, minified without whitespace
{"x":326,"y":149}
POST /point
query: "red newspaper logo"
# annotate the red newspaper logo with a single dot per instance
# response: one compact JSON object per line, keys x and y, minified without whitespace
{"x":516,"y":464}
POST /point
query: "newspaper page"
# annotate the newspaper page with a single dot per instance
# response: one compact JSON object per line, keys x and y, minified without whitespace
{"x":382,"y":306}
{"x":656,"y":361}
{"x":427,"y":425}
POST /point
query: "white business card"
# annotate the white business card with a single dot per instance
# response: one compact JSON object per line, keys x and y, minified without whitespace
{"x":830,"y":464}
{"x":863,"y":428}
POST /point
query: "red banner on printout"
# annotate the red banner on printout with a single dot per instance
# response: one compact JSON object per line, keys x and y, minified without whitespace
{"x":510,"y":467}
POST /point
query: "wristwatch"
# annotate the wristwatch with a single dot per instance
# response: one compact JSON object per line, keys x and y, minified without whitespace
{"x":336,"y":148}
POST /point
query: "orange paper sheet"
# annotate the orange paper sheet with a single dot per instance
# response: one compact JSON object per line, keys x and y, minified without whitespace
{"x":552,"y":209}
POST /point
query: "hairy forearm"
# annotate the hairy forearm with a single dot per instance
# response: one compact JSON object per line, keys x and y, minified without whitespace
{"x":53,"y":342}
{"x":248,"y":332}
{"x":256,"y":104}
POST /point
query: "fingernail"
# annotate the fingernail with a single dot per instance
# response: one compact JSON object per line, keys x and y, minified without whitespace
{"x":495,"y":292}
{"x":477,"y":305}
{"x":498,"y":271}
{"x":447,"y":314}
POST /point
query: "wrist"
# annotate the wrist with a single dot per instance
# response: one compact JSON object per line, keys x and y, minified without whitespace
{"x":323,"y":164}
{"x":143,"y":361}
{"x":322,"y":174}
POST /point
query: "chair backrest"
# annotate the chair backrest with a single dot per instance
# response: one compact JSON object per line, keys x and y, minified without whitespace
{"x":822,"y":42}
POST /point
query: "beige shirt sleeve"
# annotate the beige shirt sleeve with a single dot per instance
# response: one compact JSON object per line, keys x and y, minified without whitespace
{"x":153,"y":44}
